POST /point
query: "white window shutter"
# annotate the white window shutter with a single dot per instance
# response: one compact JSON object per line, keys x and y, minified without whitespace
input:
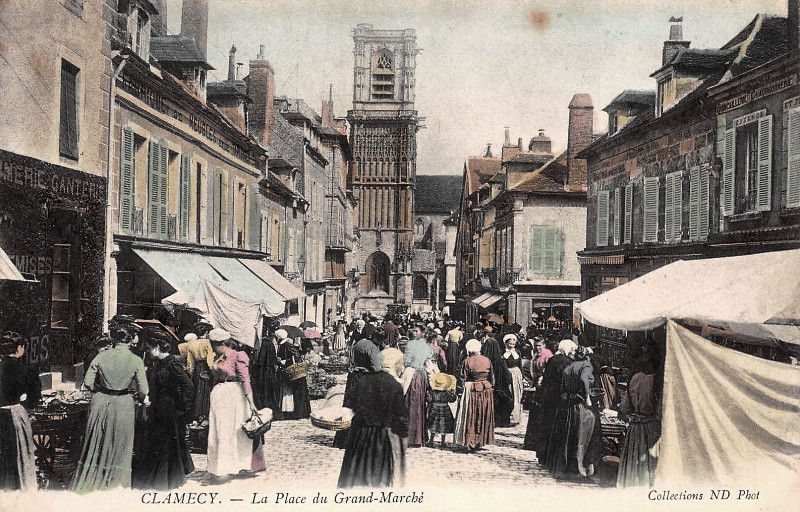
{"x":254,"y":221}
{"x":163,"y":157}
{"x":224,"y":204}
{"x":153,"y":185}
{"x":668,"y":206}
{"x":602,"y":218}
{"x":617,"y":214}
{"x":650,"y":233}
{"x":703,"y":211}
{"x":677,"y":206}
{"x":126,"y":181}
{"x":694,"y":203}
{"x":793,"y":170}
{"x":764,"y":197}
{"x":628,"y":228}
{"x":728,"y":170}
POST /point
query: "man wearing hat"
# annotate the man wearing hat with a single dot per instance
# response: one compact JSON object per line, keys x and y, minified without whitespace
{"x":199,"y":361}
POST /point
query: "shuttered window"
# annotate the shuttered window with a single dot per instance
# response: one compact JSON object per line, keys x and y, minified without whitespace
{"x":254,"y":219}
{"x":628,"y":227}
{"x":764,"y":194}
{"x":617,"y":214}
{"x":727,"y":189}
{"x":68,"y":129}
{"x":157,"y":189}
{"x":650,"y":233}
{"x":673,"y":206}
{"x":126,"y":181}
{"x":184,"y":199}
{"x":698,"y":203}
{"x":602,"y":218}
{"x":546,"y":254}
{"x":219,"y":213}
{"x":703,"y":208}
{"x":793,"y":170}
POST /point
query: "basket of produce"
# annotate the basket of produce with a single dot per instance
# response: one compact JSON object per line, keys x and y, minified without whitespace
{"x":332,"y":417}
{"x":258,"y":424}
{"x":296,"y":371}
{"x":335,"y":364}
{"x":319,"y":382}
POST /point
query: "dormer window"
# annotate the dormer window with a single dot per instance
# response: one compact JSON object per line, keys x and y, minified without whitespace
{"x":142,"y":35}
{"x":666,"y":95}
{"x":383,"y":76}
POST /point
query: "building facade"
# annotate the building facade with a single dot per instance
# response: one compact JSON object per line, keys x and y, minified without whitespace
{"x":54,"y":139}
{"x":383,"y":136}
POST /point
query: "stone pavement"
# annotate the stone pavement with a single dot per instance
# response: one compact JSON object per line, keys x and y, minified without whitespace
{"x":299,"y":452}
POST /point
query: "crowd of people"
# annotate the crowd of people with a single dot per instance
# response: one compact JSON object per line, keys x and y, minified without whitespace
{"x":409,"y":381}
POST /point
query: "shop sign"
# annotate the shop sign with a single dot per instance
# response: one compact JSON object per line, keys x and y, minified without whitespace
{"x":758,"y":93}
{"x":61,"y":181}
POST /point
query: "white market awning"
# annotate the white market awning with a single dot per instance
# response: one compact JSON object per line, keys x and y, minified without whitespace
{"x":739,"y":289}
{"x":9,"y":271}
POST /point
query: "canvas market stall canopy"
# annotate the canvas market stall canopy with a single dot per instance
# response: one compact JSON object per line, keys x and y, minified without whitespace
{"x":232,"y":293}
{"x":726,"y":415}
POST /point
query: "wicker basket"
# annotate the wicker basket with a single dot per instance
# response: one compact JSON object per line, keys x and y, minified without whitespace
{"x":296,"y":371}
{"x":330,"y":424}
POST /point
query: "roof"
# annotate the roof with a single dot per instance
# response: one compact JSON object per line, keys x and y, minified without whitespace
{"x":531,"y":158}
{"x":548,"y":178}
{"x":174,"y":48}
{"x":581,"y":100}
{"x":698,"y":59}
{"x":763,"y":40}
{"x":479,"y":170}
{"x":437,"y":193}
{"x":630,"y":97}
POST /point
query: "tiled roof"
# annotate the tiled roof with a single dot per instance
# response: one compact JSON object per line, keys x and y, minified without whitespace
{"x":235,"y":88}
{"x":630,"y":97}
{"x":769,"y":42}
{"x":437,"y":194}
{"x":531,"y":158}
{"x":480,"y":170}
{"x":548,"y":178}
{"x":701,"y":59}
{"x":177,"y":49}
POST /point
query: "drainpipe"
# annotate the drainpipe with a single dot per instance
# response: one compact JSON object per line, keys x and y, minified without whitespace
{"x":108,"y":231}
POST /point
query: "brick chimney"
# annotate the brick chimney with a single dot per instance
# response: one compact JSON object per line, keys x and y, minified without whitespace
{"x":327,"y":109}
{"x":579,"y":136}
{"x":675,"y":42}
{"x":510,"y":150}
{"x":232,"y":64}
{"x":261,"y":90}
{"x":794,"y":24}
{"x":194,"y":23}
{"x":541,"y":144}
{"x":158,"y":27}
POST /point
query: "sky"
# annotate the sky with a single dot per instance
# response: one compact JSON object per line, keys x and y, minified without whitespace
{"x":484,"y":65}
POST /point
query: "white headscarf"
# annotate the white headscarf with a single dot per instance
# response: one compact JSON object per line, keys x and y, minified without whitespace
{"x":568,"y":347}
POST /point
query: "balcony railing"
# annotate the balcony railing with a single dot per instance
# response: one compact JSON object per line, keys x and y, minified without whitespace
{"x":501,"y":276}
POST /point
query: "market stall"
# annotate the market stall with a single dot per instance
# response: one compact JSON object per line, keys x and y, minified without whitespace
{"x":724,"y":412}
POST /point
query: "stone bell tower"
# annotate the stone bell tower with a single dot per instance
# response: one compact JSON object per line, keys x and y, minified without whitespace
{"x":383,"y":137}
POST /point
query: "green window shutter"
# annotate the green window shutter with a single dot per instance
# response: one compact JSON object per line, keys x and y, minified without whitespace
{"x":793,"y":170}
{"x":537,"y":249}
{"x":628,"y":228}
{"x":126,"y":181}
{"x":254,"y":220}
{"x":163,"y":156}
{"x":153,"y":183}
{"x":216,"y":190}
{"x":552,"y":253}
{"x":617,"y":213}
{"x":650,"y":233}
{"x":183,"y":203}
{"x":764,"y":196}
{"x":669,"y":202}
{"x":602,"y":218}
{"x":224,"y":202}
{"x":727,"y":188}
{"x":694,"y":203}
{"x":703,"y":208}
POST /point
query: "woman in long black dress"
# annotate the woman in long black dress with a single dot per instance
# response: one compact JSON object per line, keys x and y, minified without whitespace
{"x":20,"y":388}
{"x":266,"y":384}
{"x":288,"y":355}
{"x":166,"y":460}
{"x":375,"y":452}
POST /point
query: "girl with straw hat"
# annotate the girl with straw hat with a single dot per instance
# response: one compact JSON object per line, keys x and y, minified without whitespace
{"x":440,"y":417}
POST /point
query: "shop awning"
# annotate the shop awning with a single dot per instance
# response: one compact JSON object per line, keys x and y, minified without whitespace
{"x":224,"y":290}
{"x":8,"y":271}
{"x":739,"y":289}
{"x":487,"y":299}
{"x":273,"y":278}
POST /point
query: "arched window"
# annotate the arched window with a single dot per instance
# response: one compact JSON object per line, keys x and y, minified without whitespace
{"x":378,"y":269}
{"x":383,"y":75}
{"x":420,"y":287}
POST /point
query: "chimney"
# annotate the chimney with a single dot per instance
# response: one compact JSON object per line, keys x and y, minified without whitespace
{"x":508,"y":138}
{"x":158,"y":27}
{"x":579,"y":136}
{"x":794,"y":24}
{"x":261,"y":90}
{"x":675,"y":42}
{"x":510,"y":150}
{"x":232,"y":64}
{"x":488,"y":153}
{"x":541,"y":144}
{"x":519,"y":144}
{"x":194,"y":23}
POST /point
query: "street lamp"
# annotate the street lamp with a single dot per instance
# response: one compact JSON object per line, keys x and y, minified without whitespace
{"x":301,"y":263}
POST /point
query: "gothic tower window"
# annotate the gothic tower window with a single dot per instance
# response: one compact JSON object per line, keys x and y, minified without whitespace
{"x":378,"y":272}
{"x":420,"y":287}
{"x":383,"y":76}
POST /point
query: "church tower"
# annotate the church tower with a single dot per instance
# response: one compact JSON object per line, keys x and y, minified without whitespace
{"x":383,"y":137}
